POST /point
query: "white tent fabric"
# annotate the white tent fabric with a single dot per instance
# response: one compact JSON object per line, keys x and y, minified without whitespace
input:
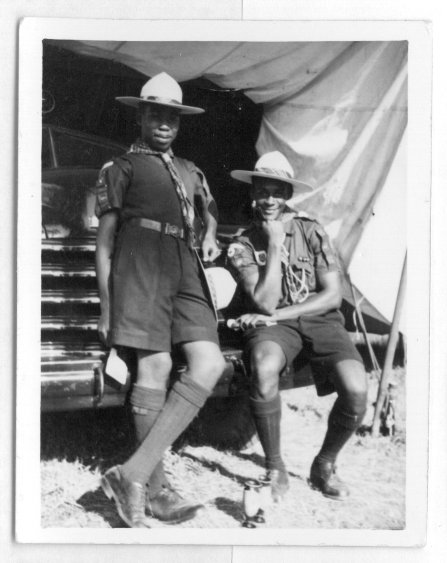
{"x":376,"y":265}
{"x":342,"y":132}
{"x":337,"y":110}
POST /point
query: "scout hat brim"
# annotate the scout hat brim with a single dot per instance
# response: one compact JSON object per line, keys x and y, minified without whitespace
{"x":247,"y":176}
{"x":162,"y":90}
{"x":135,"y":102}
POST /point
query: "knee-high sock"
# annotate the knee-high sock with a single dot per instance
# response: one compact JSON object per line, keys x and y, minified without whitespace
{"x":147,"y":403}
{"x":267,"y":417}
{"x":183,"y":403}
{"x":344,"y":419}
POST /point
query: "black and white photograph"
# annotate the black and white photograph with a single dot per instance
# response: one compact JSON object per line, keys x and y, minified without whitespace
{"x":216,"y":227}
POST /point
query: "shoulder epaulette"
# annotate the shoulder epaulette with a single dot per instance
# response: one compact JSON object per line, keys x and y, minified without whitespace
{"x":303,"y":216}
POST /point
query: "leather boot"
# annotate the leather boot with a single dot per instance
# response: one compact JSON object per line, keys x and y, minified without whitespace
{"x":129,"y":497}
{"x":324,"y":479}
{"x":168,"y":506}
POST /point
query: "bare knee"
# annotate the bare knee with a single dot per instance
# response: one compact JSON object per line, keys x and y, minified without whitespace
{"x":212,"y":367}
{"x":356,"y":402}
{"x":265,"y":371}
{"x":153,"y":369}
{"x":351,"y":385}
{"x":205,"y":363}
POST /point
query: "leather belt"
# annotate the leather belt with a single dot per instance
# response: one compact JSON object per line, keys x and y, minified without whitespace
{"x":165,"y":228}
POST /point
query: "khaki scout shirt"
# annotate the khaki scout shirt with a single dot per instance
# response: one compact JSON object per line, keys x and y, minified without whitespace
{"x":307,"y":249}
{"x":139,"y":185}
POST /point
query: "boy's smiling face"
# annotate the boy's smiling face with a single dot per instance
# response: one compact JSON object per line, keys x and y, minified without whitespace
{"x":270,"y":196}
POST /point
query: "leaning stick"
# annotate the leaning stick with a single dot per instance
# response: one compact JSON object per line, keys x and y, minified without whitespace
{"x":366,"y":336}
{"x":391,"y":348}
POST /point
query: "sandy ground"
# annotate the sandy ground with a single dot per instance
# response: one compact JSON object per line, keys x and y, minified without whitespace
{"x":73,"y":458}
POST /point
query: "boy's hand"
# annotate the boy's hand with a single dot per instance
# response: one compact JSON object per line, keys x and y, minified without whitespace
{"x":104,"y":329}
{"x":274,"y":231}
{"x":252,"y":320}
{"x":210,"y":250}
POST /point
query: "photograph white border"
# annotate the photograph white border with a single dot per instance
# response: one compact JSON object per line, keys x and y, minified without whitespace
{"x":32,"y":32}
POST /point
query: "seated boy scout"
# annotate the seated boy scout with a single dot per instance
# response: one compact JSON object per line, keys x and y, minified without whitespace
{"x":152,"y":298}
{"x":290,"y":276}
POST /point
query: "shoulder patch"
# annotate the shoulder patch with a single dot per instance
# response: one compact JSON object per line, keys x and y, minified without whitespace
{"x":235,"y":249}
{"x":238,"y":255}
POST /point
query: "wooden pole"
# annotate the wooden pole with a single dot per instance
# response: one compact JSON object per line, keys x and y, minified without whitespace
{"x":391,"y":348}
{"x":374,"y":362}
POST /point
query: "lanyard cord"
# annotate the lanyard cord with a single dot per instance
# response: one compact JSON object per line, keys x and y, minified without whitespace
{"x":297,"y":287}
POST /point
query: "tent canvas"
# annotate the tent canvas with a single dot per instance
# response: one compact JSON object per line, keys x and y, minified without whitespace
{"x":337,"y":110}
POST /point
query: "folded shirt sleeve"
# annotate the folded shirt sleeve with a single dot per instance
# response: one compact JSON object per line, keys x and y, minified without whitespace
{"x":111,"y":186}
{"x":325,"y":256}
{"x":242,"y":260}
{"x":203,"y":196}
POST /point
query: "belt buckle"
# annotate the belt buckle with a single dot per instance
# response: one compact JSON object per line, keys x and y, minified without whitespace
{"x":173,"y":230}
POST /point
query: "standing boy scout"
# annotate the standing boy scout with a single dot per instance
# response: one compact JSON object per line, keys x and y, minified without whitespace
{"x":290,"y":276}
{"x":152,"y":297}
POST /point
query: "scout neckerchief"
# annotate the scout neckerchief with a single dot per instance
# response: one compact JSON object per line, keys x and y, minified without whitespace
{"x":186,"y":207}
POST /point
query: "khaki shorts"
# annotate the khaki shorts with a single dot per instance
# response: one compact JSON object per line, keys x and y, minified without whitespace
{"x":322,"y":338}
{"x":158,"y":299}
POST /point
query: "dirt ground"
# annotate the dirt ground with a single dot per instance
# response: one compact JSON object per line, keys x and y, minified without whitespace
{"x":78,"y":447}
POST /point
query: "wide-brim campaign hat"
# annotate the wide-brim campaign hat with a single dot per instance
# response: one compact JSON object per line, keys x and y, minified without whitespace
{"x":273,"y":165}
{"x":162,"y":90}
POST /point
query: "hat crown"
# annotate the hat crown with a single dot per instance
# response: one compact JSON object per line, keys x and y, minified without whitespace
{"x":273,"y":166}
{"x":275,"y":163}
{"x":162,"y":86}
